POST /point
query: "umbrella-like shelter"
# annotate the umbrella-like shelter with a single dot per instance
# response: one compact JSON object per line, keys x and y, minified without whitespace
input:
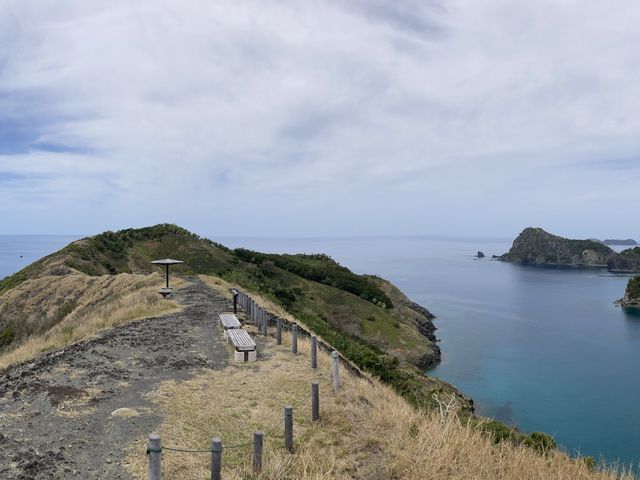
{"x":166,"y":262}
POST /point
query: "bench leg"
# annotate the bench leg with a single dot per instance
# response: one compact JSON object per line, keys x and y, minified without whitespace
{"x":238,"y":356}
{"x":253,"y":355}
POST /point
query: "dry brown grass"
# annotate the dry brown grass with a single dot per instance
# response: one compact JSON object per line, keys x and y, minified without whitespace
{"x":366,"y":432}
{"x":99,"y":303}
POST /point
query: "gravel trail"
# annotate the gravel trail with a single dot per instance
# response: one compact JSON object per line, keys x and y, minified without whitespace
{"x":56,"y":417}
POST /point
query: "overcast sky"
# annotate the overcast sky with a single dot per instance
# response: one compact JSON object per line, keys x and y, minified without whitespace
{"x":314,"y":118}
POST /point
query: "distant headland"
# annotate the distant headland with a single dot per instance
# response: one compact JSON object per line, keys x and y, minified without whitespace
{"x":535,"y":246}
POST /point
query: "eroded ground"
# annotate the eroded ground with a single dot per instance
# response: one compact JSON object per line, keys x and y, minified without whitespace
{"x":70,"y":413}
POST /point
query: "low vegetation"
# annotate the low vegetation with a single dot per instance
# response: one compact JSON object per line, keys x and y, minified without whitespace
{"x":363,"y":316}
{"x":49,"y":313}
{"x":367,"y":431}
{"x":633,"y":288}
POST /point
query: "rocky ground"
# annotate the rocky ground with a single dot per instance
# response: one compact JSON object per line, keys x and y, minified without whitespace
{"x":69,"y":413}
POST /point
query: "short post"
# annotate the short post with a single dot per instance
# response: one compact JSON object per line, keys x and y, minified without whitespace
{"x":294,"y":338}
{"x":279,"y":331}
{"x":265,"y":324}
{"x":155,"y":456}
{"x":258,"y":442}
{"x":216,"y":458}
{"x":314,"y":352}
{"x":235,"y":301}
{"x":335,"y":366}
{"x":288,"y":428}
{"x":315,"y":401}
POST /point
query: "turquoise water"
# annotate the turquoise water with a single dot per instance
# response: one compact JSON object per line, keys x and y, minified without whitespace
{"x":545,"y":349}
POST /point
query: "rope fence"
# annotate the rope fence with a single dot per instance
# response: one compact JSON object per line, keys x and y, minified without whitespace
{"x":263,"y":319}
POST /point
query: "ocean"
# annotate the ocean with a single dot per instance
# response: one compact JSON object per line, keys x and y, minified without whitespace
{"x":544,"y":349}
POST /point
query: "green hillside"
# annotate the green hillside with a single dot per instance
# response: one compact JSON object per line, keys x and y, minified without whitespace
{"x":368,"y":319}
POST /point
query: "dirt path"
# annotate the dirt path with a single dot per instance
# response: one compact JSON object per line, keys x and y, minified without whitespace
{"x":56,"y":411}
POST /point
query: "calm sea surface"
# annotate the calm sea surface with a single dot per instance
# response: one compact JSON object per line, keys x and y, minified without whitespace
{"x":545,"y":349}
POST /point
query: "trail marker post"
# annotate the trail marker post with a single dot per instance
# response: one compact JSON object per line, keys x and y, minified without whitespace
{"x":235,"y":300}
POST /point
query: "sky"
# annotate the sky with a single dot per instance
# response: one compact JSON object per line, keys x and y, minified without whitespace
{"x":321,"y":118}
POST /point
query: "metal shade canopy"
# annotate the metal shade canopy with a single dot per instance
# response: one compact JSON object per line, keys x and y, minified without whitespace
{"x":167,"y":262}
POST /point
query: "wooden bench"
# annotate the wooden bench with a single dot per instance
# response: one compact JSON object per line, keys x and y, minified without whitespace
{"x":245,"y":347}
{"x":228,"y":321}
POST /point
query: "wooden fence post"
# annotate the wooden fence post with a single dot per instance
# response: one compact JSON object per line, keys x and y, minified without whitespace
{"x":216,"y":458}
{"x":279,"y":331}
{"x":155,"y":456}
{"x":235,"y":302}
{"x":288,"y":428}
{"x":315,"y":401}
{"x":265,"y":324}
{"x":258,"y":442}
{"x":294,"y":338}
{"x":314,"y":352}
{"x":335,"y":366}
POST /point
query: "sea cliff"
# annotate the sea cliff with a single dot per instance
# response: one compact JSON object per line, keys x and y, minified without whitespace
{"x":631,"y":297}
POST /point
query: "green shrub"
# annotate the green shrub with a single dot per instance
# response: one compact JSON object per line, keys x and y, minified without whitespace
{"x":590,"y":462}
{"x":633,"y":287}
{"x":6,"y":336}
{"x":322,"y":269}
{"x":540,"y":441}
{"x":65,"y":309}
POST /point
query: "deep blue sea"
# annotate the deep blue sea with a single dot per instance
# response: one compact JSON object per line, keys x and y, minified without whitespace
{"x":545,"y":349}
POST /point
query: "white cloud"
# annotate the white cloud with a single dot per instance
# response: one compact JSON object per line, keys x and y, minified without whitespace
{"x":412,"y":117}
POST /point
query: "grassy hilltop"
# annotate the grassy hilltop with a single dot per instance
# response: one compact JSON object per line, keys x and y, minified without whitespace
{"x":366,"y":318}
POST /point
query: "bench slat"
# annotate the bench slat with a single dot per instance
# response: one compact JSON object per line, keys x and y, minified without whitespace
{"x":241,"y":339}
{"x":229,"y":320}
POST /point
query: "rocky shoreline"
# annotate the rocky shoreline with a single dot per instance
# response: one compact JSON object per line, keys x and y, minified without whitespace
{"x":427,"y":329}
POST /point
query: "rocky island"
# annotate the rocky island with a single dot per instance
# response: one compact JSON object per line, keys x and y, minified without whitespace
{"x":535,"y":246}
{"x":627,"y":242}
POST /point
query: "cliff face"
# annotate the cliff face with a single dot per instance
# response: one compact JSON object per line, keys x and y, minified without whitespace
{"x":626,"y":261}
{"x":632,"y":294}
{"x":537,"y":247}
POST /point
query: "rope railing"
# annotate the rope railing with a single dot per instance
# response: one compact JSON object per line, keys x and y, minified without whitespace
{"x":261,"y":319}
